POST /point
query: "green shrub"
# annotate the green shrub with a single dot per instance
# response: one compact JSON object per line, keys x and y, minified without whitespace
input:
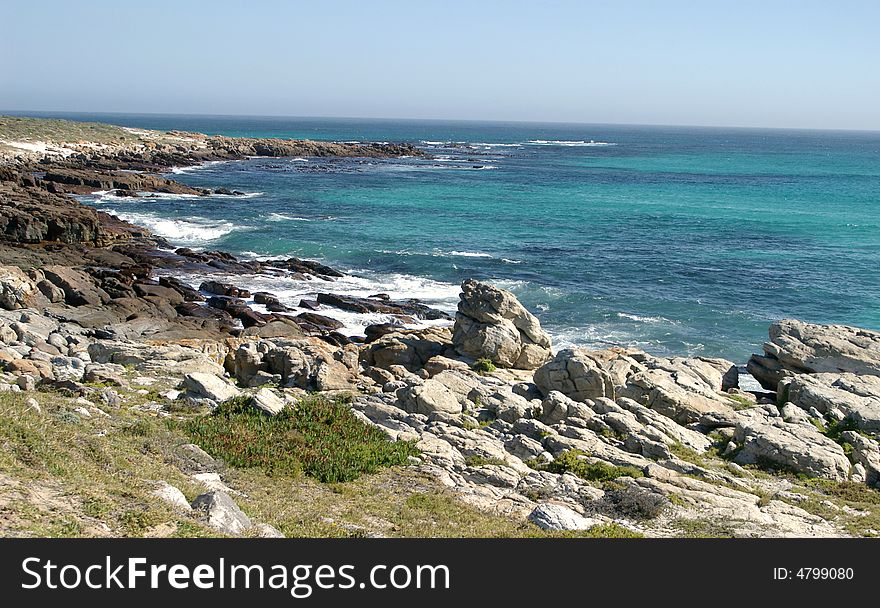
{"x":572,"y":461}
{"x":483,"y":366}
{"x":479,"y":461}
{"x":320,"y":438}
{"x":635,"y":501}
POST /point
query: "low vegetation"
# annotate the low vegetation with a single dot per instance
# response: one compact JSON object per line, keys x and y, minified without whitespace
{"x":19,"y":128}
{"x":65,"y":474}
{"x":320,"y":438}
{"x":576,"y":463}
{"x":483,"y":366}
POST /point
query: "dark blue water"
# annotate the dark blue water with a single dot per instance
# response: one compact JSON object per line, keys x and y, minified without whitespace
{"x":677,"y":240}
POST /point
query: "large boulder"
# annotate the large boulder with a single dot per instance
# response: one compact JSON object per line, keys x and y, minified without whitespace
{"x":680,"y":388}
{"x":208,"y":386}
{"x":221,"y":513}
{"x":796,"y":347}
{"x":799,"y":447}
{"x":841,"y":396}
{"x":411,"y":348}
{"x":492,"y":324}
{"x":79,"y":288}
{"x":311,"y":364}
{"x":17,"y":290}
{"x":576,"y":374}
{"x":683,"y":389}
{"x":427,"y":398}
{"x":267,"y":401}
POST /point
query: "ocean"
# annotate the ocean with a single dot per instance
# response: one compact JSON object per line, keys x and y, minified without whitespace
{"x":676,"y":240}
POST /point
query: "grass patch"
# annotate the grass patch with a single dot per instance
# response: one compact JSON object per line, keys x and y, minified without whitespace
{"x":574,"y":462}
{"x":740,"y":402}
{"x":483,"y":366}
{"x":481,"y":461}
{"x":320,"y":438}
{"x":18,"y":128}
{"x":69,"y":476}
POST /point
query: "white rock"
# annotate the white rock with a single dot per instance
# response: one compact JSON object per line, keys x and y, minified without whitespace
{"x":222,"y":513}
{"x":548,"y":516}
{"x":202,"y":385}
{"x":267,"y":401}
{"x":172,"y":496}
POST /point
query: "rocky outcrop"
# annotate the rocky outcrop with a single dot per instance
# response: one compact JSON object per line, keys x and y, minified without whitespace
{"x":428,"y":397}
{"x":575,"y":373}
{"x":681,"y":388}
{"x":849,"y":397}
{"x":796,"y":347}
{"x":411,"y":349}
{"x":30,"y":214}
{"x":309,"y":364}
{"x":18,"y":290}
{"x":492,"y":324}
{"x":798,"y":447}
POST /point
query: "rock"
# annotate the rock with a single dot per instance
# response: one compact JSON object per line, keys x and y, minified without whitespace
{"x":33,"y":404}
{"x":575,"y":374}
{"x":194,"y":459}
{"x":189,"y":294}
{"x":797,"y":447}
{"x":267,"y":401}
{"x":410,"y":348}
{"x":222,"y":513}
{"x":79,"y":288}
{"x":208,"y":386}
{"x":796,"y":347}
{"x":682,"y":389}
{"x":310,"y":364}
{"x":431,"y":396}
{"x":856,"y":398}
{"x":51,"y":292}
{"x":865,"y":453}
{"x":224,"y":289}
{"x":173,"y":496}
{"x":549,"y":516}
{"x":265,"y":531}
{"x":17,"y":290}
{"x":104,"y":373}
{"x":408,"y":308}
{"x":158,"y":291}
{"x":492,"y":324}
{"x":152,"y":358}
{"x":26,"y":382}
{"x":320,"y":321}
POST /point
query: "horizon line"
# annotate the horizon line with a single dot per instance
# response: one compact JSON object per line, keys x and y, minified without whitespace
{"x":11,"y":112}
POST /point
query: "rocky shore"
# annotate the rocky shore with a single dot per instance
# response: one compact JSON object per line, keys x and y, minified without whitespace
{"x":94,"y":309}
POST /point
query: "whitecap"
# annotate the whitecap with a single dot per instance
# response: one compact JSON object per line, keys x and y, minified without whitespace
{"x":189,"y":231}
{"x":361,"y":283}
{"x":470,"y":254}
{"x":198,"y":167}
{"x":644,"y":319}
{"x":570,"y":143}
{"x":281,"y":217}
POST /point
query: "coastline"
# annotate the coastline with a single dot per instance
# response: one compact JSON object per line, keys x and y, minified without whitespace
{"x":617,"y":440}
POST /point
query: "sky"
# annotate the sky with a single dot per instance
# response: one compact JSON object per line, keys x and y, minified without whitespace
{"x":769,"y":63}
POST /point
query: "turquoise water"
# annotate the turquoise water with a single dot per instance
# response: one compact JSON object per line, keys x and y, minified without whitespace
{"x":677,"y":240}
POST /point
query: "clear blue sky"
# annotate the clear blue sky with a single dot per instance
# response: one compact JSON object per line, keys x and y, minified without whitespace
{"x":781,"y":63}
